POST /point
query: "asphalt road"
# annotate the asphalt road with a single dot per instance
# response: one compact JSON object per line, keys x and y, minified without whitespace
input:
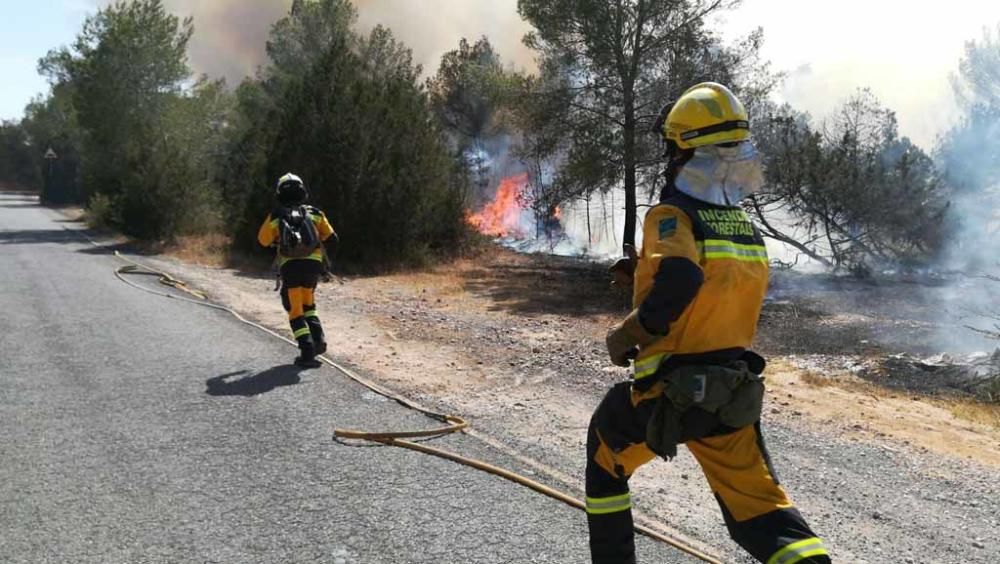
{"x":142,"y":429}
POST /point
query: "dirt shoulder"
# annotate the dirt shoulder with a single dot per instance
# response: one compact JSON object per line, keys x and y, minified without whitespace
{"x":510,"y":321}
{"x":882,"y":415}
{"x":514,"y":344}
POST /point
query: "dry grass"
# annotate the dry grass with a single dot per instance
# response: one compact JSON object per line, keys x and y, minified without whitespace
{"x":968,"y":409}
{"x":443,"y":280}
{"x":207,"y":250}
{"x":869,"y":412}
{"x":857,"y":386}
{"x":817,"y":381}
{"x":74,"y":213}
{"x":850,"y":384}
{"x":977,"y":412}
{"x":519,"y":284}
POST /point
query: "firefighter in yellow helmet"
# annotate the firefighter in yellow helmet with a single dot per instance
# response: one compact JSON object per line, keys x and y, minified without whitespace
{"x":299,"y":232}
{"x":699,"y":284}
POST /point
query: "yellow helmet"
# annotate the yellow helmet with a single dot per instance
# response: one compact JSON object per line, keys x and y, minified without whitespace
{"x":706,"y":114}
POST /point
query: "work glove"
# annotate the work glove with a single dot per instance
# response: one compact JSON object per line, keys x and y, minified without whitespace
{"x":625,"y":339}
{"x":623,"y":270}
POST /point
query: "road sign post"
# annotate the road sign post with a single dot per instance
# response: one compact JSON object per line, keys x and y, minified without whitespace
{"x":50,"y":158}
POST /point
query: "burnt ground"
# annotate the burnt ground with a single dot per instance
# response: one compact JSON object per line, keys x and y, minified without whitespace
{"x":915,"y":334}
{"x":514,"y":343}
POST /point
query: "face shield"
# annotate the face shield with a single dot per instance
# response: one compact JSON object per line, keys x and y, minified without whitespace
{"x":722,"y":175}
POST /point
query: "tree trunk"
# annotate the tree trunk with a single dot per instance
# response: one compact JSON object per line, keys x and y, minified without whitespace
{"x":628,"y":163}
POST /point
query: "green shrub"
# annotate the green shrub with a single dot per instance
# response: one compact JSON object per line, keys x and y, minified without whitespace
{"x":101,"y":213}
{"x":350,"y":115}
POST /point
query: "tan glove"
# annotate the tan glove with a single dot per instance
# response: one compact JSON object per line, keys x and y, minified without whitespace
{"x":625,"y":339}
{"x":623,"y":270}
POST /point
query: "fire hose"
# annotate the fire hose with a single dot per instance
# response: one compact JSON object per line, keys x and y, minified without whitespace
{"x":452,"y":424}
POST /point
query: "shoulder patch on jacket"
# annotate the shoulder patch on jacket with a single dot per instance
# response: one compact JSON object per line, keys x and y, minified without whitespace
{"x":667,"y":227}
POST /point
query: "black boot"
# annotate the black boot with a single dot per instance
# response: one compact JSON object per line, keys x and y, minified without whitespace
{"x":307,"y":361}
{"x":316,"y":331}
{"x":307,"y":354}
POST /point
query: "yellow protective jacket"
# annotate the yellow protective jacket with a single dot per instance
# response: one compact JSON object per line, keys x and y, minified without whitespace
{"x":700,"y":282}
{"x":268,"y":233}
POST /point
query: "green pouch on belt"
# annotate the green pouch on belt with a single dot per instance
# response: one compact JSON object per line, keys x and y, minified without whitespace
{"x":732,"y":392}
{"x":746,"y":404}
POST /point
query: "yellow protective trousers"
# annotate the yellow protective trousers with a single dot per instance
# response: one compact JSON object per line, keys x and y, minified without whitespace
{"x":757,"y":512}
{"x":299,"y":279}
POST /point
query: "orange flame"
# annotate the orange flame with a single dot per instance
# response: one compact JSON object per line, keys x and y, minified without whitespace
{"x":502,"y":216}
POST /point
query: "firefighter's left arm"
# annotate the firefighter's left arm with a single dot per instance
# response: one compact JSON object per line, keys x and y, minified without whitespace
{"x":669,"y":244}
{"x":268,"y":232}
{"x":323,"y":226}
{"x":327,"y":233}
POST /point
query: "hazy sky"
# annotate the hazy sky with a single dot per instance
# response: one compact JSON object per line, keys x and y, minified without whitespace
{"x":904,"y":50}
{"x":27,"y":31}
{"x":828,"y":48}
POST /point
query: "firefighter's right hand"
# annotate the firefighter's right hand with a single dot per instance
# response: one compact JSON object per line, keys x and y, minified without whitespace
{"x":625,"y":339}
{"x":623,"y":270}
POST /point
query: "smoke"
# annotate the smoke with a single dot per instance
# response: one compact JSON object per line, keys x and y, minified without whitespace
{"x":434,"y":27}
{"x":230,"y":35}
{"x":972,"y":163}
{"x":598,"y":221}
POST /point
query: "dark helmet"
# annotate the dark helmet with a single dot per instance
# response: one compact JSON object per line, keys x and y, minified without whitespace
{"x":291,"y":190}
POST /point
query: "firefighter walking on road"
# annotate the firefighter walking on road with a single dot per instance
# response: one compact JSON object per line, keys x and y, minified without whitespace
{"x":699,"y":284}
{"x":299,"y":232}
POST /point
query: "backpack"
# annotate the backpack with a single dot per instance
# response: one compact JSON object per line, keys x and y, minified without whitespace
{"x":297,"y":234}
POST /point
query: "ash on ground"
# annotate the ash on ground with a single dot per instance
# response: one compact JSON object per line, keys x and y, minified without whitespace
{"x":975,"y":375}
